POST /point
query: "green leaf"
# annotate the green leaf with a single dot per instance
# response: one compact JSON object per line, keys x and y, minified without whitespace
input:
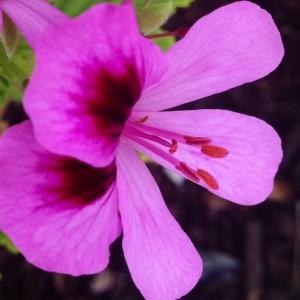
{"x":164,"y":42}
{"x":181,"y":4}
{"x":75,"y":7}
{"x":14,"y":72}
{"x":8,"y":91}
{"x":9,"y":35}
{"x":153,"y":14}
{"x":6,"y":242}
{"x":144,"y":158}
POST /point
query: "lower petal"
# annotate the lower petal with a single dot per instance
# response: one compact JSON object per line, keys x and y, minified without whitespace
{"x":161,"y":258}
{"x":60,"y":213}
{"x":246,"y":174}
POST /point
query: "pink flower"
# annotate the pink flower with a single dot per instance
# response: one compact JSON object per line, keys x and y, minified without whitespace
{"x":32,"y":17}
{"x":70,"y":178}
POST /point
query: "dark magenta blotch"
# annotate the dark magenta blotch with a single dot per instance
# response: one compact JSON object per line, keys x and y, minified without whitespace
{"x":107,"y":97}
{"x":75,"y":183}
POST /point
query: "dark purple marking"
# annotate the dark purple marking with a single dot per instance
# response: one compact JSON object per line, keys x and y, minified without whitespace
{"x":75,"y":183}
{"x":108,"y":97}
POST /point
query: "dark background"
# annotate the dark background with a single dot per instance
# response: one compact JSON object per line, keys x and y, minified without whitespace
{"x":249,"y":253}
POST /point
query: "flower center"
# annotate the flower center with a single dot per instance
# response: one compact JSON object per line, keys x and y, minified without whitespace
{"x":156,"y":139}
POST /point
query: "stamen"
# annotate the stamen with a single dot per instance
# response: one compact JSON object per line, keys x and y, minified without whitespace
{"x":134,"y":131}
{"x":157,"y":131}
{"x":180,"y":138}
{"x":208,"y":179}
{"x":188,"y":171}
{"x":141,"y":120}
{"x":174,"y":147}
{"x":191,"y":140}
{"x":140,"y":133}
{"x":214,"y":151}
{"x":164,"y":155}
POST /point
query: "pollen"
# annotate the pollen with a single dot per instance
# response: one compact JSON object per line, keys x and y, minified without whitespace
{"x":188,"y":171}
{"x":208,"y":179}
{"x":174,"y":147}
{"x":214,"y":151}
{"x":141,"y":120}
{"x":191,"y":140}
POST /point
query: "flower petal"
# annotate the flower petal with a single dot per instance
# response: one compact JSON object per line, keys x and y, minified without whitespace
{"x":33,"y":17}
{"x":60,"y":213}
{"x":89,"y":75}
{"x":235,"y":44}
{"x":162,"y":260}
{"x":246,"y":174}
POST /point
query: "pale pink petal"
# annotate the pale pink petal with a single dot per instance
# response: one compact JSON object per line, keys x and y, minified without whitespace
{"x":235,"y":44}
{"x":32,"y":17}
{"x":162,"y":260}
{"x":60,"y":213}
{"x":246,"y":175}
{"x":89,"y":74}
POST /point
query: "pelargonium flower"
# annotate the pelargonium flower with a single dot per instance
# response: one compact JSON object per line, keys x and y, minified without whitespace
{"x":71,"y":180}
{"x":31,"y":17}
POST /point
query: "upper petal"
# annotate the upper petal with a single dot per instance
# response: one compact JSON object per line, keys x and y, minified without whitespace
{"x":246,"y":174}
{"x":235,"y":44}
{"x":60,"y":213}
{"x":33,"y":17}
{"x":162,"y":260}
{"x":89,"y":74}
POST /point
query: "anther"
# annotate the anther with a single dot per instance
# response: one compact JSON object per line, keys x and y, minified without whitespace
{"x":191,"y":140}
{"x":174,"y":147}
{"x":208,"y":179}
{"x":188,"y":171}
{"x":141,"y":120}
{"x":214,"y":151}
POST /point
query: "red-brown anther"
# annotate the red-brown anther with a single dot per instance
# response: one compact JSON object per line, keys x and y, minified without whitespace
{"x":191,"y":140}
{"x":174,"y":147}
{"x":214,"y":151}
{"x":188,"y":172}
{"x":208,"y":179}
{"x":141,"y":120}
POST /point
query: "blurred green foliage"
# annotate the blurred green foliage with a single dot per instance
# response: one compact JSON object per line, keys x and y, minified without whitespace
{"x":164,"y":43}
{"x":9,"y":35}
{"x":6,"y":242}
{"x":15,"y":71}
{"x":75,"y":7}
